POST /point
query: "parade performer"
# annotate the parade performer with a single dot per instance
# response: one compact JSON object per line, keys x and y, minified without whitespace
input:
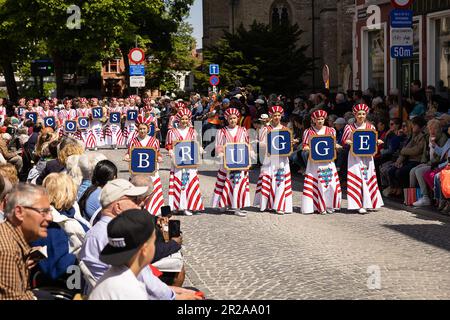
{"x":113,"y":132}
{"x":85,"y":135}
{"x":96,"y":127}
{"x":66,"y":114}
{"x":232,"y":188}
{"x":184,"y":185}
{"x":173,"y":120}
{"x":362,"y":184}
{"x":45,"y":110}
{"x":129,"y":128}
{"x":322,"y":189}
{"x":274,"y":188}
{"x":144,"y":140}
{"x":3,"y":114}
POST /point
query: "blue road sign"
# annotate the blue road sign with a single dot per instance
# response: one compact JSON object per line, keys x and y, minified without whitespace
{"x":279,"y":143}
{"x":214,"y":69}
{"x":50,"y":122}
{"x":402,"y":52}
{"x":322,"y":149}
{"x":143,"y":160}
{"x":137,"y":70}
{"x":401,"y":18}
{"x":186,"y":154}
{"x":214,"y":81}
{"x":364,"y":143}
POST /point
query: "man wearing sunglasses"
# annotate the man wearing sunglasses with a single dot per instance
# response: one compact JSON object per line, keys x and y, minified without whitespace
{"x":28,"y":215}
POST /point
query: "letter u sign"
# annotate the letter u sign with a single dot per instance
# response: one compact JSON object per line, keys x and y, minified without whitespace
{"x":237,"y":157}
{"x":322,"y":149}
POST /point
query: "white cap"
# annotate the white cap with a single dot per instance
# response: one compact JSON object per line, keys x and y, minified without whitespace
{"x":238,"y":96}
{"x":116,"y":189}
{"x":264,"y":117}
{"x":259,"y":101}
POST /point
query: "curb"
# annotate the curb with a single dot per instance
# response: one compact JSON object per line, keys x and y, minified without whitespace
{"x":428,"y":212}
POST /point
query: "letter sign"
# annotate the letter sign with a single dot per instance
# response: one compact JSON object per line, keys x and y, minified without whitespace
{"x":31,"y":116}
{"x":364,"y":143}
{"x":83,"y":123}
{"x":97,"y":113}
{"x":322,"y":149}
{"x":143,"y":160}
{"x":49,"y":122}
{"x":114,"y":117}
{"x":237,"y":157}
{"x":279,"y":143}
{"x":186,"y":154}
{"x":132,"y":115}
{"x":70,"y":126}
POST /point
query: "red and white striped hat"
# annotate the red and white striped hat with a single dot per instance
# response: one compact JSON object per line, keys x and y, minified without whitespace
{"x":22,"y":100}
{"x":142,"y":120}
{"x":232,"y":111}
{"x":360,"y":107}
{"x":30,"y":102}
{"x":147,"y":101}
{"x":319,"y":114}
{"x":180,"y":105}
{"x":83,"y":100}
{"x":183,"y":112}
{"x":276,"y":109}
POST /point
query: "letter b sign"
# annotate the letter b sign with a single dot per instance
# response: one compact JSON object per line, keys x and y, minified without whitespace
{"x":143,"y":160}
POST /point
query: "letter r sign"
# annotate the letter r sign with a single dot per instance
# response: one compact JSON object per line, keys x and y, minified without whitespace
{"x":143,"y":161}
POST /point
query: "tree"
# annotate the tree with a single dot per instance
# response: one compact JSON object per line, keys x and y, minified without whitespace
{"x":263,"y":57}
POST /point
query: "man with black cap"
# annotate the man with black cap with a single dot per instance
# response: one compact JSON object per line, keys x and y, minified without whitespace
{"x":131,"y":247}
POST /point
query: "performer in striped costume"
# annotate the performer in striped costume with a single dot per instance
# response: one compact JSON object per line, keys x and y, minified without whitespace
{"x":184,"y":185}
{"x":321,"y":188}
{"x":144,"y":140}
{"x":232,"y":188}
{"x":3,"y":114}
{"x":274,"y":188}
{"x":129,"y":128}
{"x":66,"y":114}
{"x":96,"y":128}
{"x":85,"y":135}
{"x":362,"y":184}
{"x":113,"y":132}
{"x":173,"y":120}
{"x":45,"y":110}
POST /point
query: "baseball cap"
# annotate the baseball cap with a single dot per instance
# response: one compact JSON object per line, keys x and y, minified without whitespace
{"x":116,"y":189}
{"x":340,"y":121}
{"x":264,"y":117}
{"x":126,"y":234}
{"x":226,"y":100}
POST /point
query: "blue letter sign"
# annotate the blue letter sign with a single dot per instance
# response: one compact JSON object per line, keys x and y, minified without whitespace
{"x":31,"y":116}
{"x":143,"y":160}
{"x":186,"y":154}
{"x":83,"y":123}
{"x":49,"y":122}
{"x":97,"y":113}
{"x":114,"y":117}
{"x":151,"y":130}
{"x":132,"y":115}
{"x":70,"y":126}
{"x":364,"y":143}
{"x":21,"y":111}
{"x":322,"y":148}
{"x":237,"y":157}
{"x":279,"y":143}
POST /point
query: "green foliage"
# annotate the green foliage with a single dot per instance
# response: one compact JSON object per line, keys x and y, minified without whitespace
{"x":262,"y":57}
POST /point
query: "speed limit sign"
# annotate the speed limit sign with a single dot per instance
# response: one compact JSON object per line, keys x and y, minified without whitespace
{"x":402,"y":4}
{"x":136,"y":56}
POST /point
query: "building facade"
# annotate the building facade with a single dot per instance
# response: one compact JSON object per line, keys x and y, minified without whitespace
{"x":430,"y":62}
{"x":327,"y":26}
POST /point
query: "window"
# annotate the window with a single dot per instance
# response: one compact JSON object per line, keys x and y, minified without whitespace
{"x":376,"y":53}
{"x":280,"y":13}
{"x":442,"y":52}
{"x":113,"y":66}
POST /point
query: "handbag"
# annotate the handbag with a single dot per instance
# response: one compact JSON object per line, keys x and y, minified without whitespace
{"x":411,"y":195}
{"x":445,"y":182}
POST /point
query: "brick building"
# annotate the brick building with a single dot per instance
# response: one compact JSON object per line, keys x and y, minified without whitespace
{"x":329,"y":34}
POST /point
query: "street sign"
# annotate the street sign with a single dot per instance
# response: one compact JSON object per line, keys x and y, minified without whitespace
{"x":42,"y":68}
{"x":214,"y":69}
{"x":402,"y":4}
{"x":137,"y":70}
{"x":136,"y":56}
{"x":402,"y":41}
{"x":137,"y":81}
{"x":401,"y":18}
{"x":214,"y":81}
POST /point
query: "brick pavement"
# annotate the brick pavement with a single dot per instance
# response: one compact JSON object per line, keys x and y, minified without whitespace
{"x":265,"y":256}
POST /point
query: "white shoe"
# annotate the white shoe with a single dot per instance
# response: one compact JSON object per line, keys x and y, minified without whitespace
{"x":323,"y":212}
{"x":187,"y":213}
{"x":423,"y":202}
{"x":330,"y":211}
{"x":281,"y":213}
{"x":95,"y":149}
{"x":362,"y":211}
{"x":239,"y":213}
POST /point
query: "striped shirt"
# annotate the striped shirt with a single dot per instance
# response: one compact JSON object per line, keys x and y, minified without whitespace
{"x":14,"y":274}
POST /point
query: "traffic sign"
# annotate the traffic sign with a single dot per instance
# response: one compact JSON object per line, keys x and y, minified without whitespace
{"x":214,"y":81}
{"x":137,"y":81}
{"x":402,"y":4}
{"x":402,"y":52}
{"x":402,"y":43}
{"x":214,"y":69}
{"x":401,"y":18}
{"x":42,"y":68}
{"x":136,"y":56}
{"x":137,"y":70}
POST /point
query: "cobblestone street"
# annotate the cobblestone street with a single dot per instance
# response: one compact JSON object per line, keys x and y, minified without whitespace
{"x":265,"y":256}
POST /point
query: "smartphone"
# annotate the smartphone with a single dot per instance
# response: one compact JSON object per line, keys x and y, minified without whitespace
{"x":165,"y":211}
{"x":174,"y":228}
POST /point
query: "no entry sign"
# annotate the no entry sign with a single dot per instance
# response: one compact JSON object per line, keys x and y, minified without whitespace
{"x":136,"y":56}
{"x":402,"y":4}
{"x":214,"y":81}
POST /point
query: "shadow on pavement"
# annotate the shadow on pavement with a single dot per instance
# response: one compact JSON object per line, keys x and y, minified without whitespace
{"x":435,"y":235}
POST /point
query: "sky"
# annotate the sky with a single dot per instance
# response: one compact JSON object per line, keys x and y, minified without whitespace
{"x":196,"y":20}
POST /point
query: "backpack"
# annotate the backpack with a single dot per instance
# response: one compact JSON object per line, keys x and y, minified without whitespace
{"x":445,"y":182}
